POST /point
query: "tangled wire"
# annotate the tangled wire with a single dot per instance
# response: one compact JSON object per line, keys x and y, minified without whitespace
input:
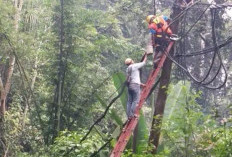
{"x":209,"y":78}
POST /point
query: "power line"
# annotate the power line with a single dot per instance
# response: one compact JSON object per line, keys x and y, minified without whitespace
{"x":207,"y":50}
{"x":214,"y":49}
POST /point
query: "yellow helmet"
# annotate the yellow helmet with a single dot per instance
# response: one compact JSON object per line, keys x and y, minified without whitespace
{"x":128,"y":61}
{"x":149,"y":17}
{"x":156,"y":20}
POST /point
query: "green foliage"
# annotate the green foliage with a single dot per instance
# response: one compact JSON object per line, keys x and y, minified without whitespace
{"x":113,"y":114}
{"x":218,"y":141}
{"x":119,"y":78}
{"x":98,"y":36}
{"x":6,"y":28}
{"x":185,"y":115}
{"x":22,"y":141}
{"x":69,"y":142}
{"x":186,"y":131}
{"x":175,"y":94}
{"x":142,"y":135}
{"x":6,"y":21}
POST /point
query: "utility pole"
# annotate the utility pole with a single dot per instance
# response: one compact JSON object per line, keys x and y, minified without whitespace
{"x":164,"y":82}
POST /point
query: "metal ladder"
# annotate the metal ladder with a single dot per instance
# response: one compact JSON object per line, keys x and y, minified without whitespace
{"x":131,"y":124}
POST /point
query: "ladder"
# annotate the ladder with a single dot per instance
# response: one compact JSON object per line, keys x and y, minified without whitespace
{"x":131,"y":124}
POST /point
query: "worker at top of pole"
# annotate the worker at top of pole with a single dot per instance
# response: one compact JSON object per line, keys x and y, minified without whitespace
{"x":133,"y":84}
{"x":161,"y":35}
{"x":158,"y":25}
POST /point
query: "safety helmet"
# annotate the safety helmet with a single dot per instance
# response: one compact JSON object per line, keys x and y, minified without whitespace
{"x":128,"y":61}
{"x":149,"y":17}
{"x":156,"y":20}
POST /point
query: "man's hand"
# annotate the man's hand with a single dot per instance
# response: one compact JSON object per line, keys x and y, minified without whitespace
{"x":142,"y":85}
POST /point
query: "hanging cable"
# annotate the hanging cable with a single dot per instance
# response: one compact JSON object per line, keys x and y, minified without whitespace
{"x":213,"y":60}
{"x":199,"y":17}
{"x":105,"y":112}
{"x":182,"y":13}
{"x":193,"y":78}
{"x":215,"y":51}
{"x":202,"y":81}
{"x":102,"y":147}
{"x":206,"y":51}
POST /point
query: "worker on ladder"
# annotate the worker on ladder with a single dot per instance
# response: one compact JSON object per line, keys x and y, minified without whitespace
{"x":161,"y":35}
{"x":133,"y":84}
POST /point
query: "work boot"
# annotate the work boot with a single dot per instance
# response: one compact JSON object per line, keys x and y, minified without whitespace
{"x":136,"y":116}
{"x":129,"y":118}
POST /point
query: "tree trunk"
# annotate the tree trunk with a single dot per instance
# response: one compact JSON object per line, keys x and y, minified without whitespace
{"x":162,"y":95}
{"x":154,"y":6}
{"x":59,"y":88}
{"x":160,"y":104}
{"x":5,"y":86}
{"x":2,"y":109}
{"x":28,"y":102}
{"x":4,"y":92}
{"x":2,"y":97}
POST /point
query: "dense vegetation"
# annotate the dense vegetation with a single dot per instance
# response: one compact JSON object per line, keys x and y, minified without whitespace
{"x":61,"y":64}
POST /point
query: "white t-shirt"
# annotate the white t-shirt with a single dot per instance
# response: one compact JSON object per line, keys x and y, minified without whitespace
{"x":134,"y":70}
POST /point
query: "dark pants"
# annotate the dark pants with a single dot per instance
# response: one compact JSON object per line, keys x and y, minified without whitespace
{"x":160,"y":44}
{"x":160,"y":47}
{"x":133,"y":98}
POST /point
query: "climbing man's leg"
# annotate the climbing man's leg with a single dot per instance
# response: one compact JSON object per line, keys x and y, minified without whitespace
{"x":157,"y":59}
{"x":129,"y":101}
{"x":136,"y":97}
{"x":158,"y":56}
